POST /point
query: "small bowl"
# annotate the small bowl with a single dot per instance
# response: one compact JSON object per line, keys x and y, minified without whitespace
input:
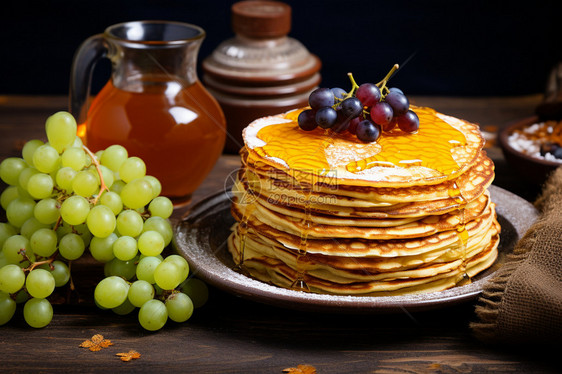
{"x":533,"y":169}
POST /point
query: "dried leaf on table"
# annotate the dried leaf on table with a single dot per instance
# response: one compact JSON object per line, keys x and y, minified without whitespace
{"x":96,"y":343}
{"x":301,"y":369}
{"x":131,"y":355}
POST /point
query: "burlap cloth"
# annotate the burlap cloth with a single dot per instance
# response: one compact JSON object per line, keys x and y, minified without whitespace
{"x":523,"y":303}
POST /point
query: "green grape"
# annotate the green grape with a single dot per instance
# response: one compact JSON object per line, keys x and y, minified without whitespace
{"x":29,"y":149}
{"x":125,"y":248}
{"x":108,"y":176}
{"x":179,"y":307}
{"x":181,"y":263}
{"x":43,"y":242}
{"x":83,"y":231}
{"x":60,"y":272}
{"x":113,"y":201}
{"x":13,"y":245}
{"x":136,"y":194}
{"x":102,"y":248}
{"x":32,"y":225}
{"x":124,"y":308}
{"x":85,"y":183}
{"x":20,"y":210}
{"x":64,"y":178}
{"x":46,"y":159}
{"x":117,"y":186}
{"x":22,"y":296}
{"x":12,"y":278}
{"x":47,"y":211}
{"x":77,"y":142}
{"x":167,"y":275}
{"x":37,"y":312}
{"x":40,"y":186}
{"x":111,"y":292}
{"x":161,"y":225}
{"x":197,"y":291}
{"x":161,"y":206}
{"x":123,"y":269}
{"x":150,"y":243}
{"x":153,"y":315}
{"x":75,"y":209}
{"x":71,"y":246}
{"x":101,"y":221}
{"x":74,"y":157}
{"x":9,"y":194}
{"x":7,"y":308}
{"x":140,"y":292}
{"x":10,"y":170}
{"x":61,"y":130}
{"x":129,"y":223}
{"x":40,"y":283}
{"x":156,"y":185}
{"x":132,"y":168}
{"x":6,"y":230}
{"x":24,"y":176}
{"x":146,"y":267}
{"x":114,"y":156}
{"x":3,"y":260}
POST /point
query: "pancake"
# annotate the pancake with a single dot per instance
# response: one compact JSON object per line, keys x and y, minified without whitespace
{"x":322,"y":212}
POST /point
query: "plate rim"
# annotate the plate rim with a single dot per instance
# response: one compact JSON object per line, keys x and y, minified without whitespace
{"x":226,"y":279}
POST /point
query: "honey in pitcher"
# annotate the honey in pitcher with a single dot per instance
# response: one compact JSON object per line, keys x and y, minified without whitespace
{"x":178,"y":131}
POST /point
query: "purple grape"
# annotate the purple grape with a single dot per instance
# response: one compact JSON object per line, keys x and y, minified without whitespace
{"x":381,"y":113}
{"x":395,"y":89}
{"x":351,"y":107}
{"x":339,"y":93}
{"x":307,"y":120}
{"x":326,"y":117}
{"x":409,"y":122}
{"x":353,"y":124}
{"x":367,"y":131}
{"x":321,"y":97}
{"x":342,"y":122}
{"x":398,"y":102}
{"x":369,"y":94}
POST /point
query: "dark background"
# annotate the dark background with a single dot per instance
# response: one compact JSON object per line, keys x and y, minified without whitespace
{"x":462,"y":48}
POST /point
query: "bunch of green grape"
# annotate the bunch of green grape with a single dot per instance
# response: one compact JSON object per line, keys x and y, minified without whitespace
{"x":61,"y":201}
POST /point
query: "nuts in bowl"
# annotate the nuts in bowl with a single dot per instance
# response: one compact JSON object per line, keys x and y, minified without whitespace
{"x":533,"y":147}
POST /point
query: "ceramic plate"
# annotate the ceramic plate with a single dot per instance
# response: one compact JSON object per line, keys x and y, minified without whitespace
{"x":201,"y":238}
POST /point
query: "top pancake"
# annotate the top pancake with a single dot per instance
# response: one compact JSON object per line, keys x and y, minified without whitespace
{"x":443,"y":149}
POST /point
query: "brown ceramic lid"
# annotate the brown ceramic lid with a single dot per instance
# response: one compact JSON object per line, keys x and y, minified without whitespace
{"x":261,"y":19}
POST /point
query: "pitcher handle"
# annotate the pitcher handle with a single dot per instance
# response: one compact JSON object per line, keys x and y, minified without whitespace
{"x":90,"y":51}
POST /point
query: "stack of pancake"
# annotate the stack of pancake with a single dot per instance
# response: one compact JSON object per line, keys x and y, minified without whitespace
{"x":323,"y":212}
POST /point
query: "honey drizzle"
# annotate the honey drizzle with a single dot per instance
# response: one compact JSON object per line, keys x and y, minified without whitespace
{"x":243,"y":226}
{"x":306,"y":150}
{"x":456,"y":194}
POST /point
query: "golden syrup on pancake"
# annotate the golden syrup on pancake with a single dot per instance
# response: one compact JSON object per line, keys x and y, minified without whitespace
{"x":456,"y":194}
{"x":300,"y":283}
{"x":305,"y":150}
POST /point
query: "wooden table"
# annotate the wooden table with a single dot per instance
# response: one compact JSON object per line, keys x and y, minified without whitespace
{"x":234,"y":335}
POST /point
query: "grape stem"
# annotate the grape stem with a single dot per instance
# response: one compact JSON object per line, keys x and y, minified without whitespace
{"x":354,"y":85}
{"x":382,"y":83}
{"x":34,"y":264}
{"x":103,"y":186}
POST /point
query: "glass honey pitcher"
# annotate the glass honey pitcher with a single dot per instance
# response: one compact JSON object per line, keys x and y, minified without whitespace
{"x":154,"y":104}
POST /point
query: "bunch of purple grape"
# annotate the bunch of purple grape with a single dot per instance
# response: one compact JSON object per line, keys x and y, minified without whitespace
{"x":365,"y":111}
